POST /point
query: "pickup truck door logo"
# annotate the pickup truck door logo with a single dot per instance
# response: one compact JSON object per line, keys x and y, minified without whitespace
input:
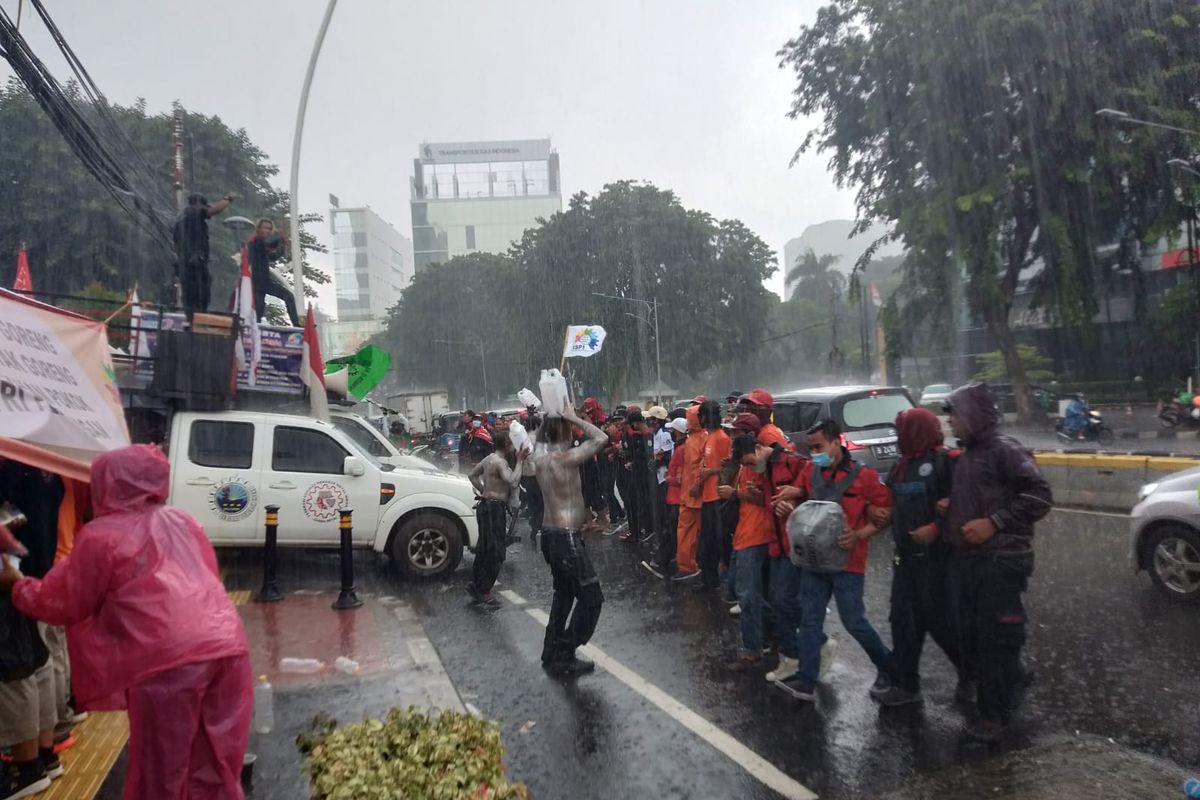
{"x":233,"y":499}
{"x":324,"y":499}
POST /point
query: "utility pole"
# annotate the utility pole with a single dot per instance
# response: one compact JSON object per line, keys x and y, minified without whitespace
{"x":177,"y":136}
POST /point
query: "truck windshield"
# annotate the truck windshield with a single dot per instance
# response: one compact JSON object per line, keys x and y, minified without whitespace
{"x":358,"y":433}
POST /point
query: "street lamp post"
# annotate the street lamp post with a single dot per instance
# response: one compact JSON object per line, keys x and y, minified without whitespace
{"x":294,"y":198}
{"x":652,"y":307}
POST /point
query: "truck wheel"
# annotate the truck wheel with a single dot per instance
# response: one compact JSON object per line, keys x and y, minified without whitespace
{"x":1173,"y":558}
{"x":426,"y":546}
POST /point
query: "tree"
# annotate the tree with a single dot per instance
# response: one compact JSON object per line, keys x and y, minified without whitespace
{"x":76,"y":234}
{"x":969,"y":127}
{"x":632,"y":240}
{"x":992,"y":366}
{"x":815,"y":276}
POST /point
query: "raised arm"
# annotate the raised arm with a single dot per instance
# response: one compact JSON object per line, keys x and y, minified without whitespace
{"x":593,"y":444}
{"x":512,"y":477}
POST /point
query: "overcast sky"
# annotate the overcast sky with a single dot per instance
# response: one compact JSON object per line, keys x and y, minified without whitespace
{"x":687,"y":95}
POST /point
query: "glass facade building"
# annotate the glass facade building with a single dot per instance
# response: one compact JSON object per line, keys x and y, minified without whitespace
{"x":480,"y":196}
{"x":372,"y":263}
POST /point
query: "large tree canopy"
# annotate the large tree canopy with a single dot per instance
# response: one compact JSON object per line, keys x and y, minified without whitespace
{"x":77,"y":236}
{"x":970,"y":127}
{"x":631,"y":240}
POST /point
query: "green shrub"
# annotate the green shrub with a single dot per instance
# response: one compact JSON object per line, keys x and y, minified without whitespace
{"x":408,"y":755}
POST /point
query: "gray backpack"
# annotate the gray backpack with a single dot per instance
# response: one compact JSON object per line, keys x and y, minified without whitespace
{"x":814,"y":527}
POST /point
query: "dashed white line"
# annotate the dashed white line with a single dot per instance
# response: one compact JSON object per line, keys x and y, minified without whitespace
{"x":1091,"y":513}
{"x":763,"y":770}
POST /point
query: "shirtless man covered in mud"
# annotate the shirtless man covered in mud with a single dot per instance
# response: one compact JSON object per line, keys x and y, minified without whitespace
{"x":575,"y":582}
{"x":494,"y":478}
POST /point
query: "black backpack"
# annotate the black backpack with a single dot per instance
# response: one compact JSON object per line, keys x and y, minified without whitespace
{"x":22,"y":651}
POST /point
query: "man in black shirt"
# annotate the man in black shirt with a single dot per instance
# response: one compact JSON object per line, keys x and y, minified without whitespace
{"x":265,"y":247}
{"x":191,"y":250}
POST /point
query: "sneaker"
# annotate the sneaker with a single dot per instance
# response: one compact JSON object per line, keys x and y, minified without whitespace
{"x":490,"y":600}
{"x":796,"y":688}
{"x":965,"y":692}
{"x":743,"y":663}
{"x":79,"y":717}
{"x":883,"y":683}
{"x":828,"y":650}
{"x":735,"y":610}
{"x":646,"y":565}
{"x":686,"y":576}
{"x":570,"y":667}
{"x":786,"y":668}
{"x":985,"y":731}
{"x":52,"y":763}
{"x":24,"y":780}
{"x":895,"y":696}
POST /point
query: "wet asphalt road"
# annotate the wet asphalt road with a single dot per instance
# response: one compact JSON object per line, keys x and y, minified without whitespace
{"x":1113,"y":659}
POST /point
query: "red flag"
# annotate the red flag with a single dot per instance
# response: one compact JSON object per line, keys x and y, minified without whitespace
{"x":23,"y":283}
{"x":312,"y":368}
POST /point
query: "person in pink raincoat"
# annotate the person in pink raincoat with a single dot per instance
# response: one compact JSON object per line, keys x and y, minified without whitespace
{"x":151,"y":630}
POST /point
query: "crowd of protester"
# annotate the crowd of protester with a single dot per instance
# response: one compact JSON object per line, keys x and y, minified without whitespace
{"x":710,"y":491}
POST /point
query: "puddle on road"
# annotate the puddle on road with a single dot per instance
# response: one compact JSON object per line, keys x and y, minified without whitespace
{"x":1077,"y":768}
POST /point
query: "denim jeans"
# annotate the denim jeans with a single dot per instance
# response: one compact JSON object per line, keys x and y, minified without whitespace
{"x":785,"y":605}
{"x":846,"y":588}
{"x":748,"y":579}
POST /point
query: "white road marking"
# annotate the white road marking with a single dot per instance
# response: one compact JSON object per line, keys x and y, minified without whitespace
{"x":1091,"y":513}
{"x":731,"y":748}
{"x":512,"y":597}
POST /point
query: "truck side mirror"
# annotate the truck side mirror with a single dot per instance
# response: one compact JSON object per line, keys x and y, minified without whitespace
{"x":353,"y":465}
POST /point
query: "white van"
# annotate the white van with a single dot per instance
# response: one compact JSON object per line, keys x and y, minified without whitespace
{"x":227,"y":466}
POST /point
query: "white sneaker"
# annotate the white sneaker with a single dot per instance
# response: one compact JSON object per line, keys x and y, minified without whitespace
{"x":735,"y":610}
{"x":827,"y":652}
{"x":786,"y":669}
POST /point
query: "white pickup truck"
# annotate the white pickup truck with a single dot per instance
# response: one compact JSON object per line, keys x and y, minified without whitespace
{"x":226,"y":466}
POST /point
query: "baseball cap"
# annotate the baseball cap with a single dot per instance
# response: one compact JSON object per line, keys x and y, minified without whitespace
{"x":657,"y":412}
{"x":678,"y":425}
{"x":759,"y":397}
{"x":697,"y":400}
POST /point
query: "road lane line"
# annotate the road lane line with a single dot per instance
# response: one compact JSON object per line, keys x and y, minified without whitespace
{"x":1116,"y":514}
{"x":764,"y":771}
{"x":512,"y":597}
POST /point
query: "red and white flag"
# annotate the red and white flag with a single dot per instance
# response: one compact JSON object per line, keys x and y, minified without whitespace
{"x":244,"y":307}
{"x":138,"y":346}
{"x":312,"y":369}
{"x":23,"y":283}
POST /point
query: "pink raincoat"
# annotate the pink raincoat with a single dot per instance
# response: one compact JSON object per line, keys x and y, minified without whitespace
{"x":150,"y":627}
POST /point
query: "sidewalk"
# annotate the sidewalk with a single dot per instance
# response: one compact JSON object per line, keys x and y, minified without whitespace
{"x":398,"y":666}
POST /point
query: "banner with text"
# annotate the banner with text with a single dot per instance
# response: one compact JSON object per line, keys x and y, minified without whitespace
{"x":59,"y":405}
{"x":583,"y":341}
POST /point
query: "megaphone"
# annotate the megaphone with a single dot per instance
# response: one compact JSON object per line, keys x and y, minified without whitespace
{"x":338,"y":382}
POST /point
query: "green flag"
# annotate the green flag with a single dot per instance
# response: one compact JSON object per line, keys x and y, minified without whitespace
{"x":365,"y":369}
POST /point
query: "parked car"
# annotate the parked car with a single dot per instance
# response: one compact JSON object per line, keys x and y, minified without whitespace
{"x":935,"y":396}
{"x":1165,"y":528}
{"x":227,"y":466}
{"x":866,"y":414}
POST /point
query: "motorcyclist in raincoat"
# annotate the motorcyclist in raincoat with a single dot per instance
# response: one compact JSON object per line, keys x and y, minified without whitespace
{"x":151,"y":630}
{"x":1075,"y":421}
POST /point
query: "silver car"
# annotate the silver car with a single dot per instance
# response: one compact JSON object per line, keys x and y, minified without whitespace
{"x":1165,"y":527}
{"x":866,"y":415}
{"x":935,"y":396}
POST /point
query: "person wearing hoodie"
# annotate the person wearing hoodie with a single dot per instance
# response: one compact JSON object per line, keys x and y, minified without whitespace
{"x":151,"y":630}
{"x":997,"y":496}
{"x":920,"y":483}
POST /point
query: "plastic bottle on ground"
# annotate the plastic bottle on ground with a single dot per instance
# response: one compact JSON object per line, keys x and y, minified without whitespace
{"x":302,"y":666}
{"x":347,"y":665}
{"x":264,"y":706}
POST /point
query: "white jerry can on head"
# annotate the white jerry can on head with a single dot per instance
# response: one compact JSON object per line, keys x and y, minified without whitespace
{"x":553,"y":388}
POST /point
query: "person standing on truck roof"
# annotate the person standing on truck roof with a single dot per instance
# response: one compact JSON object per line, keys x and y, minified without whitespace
{"x":267,"y":246}
{"x":191,"y":251}
{"x":575,"y":582}
{"x":494,"y":479}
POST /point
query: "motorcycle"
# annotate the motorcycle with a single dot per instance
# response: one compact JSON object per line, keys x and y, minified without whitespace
{"x":1095,"y":431}
{"x":1173,"y":413}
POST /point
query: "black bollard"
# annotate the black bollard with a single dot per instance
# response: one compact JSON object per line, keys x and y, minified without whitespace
{"x":269,"y":593}
{"x":348,"y":597}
